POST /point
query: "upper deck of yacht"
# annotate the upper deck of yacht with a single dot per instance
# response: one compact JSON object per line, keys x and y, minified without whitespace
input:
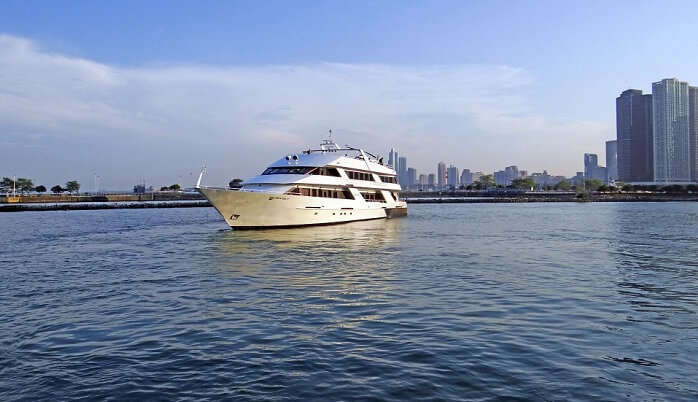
{"x":331,"y":155}
{"x":330,"y":165}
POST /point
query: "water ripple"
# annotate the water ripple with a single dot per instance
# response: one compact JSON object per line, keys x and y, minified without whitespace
{"x":456,"y":302}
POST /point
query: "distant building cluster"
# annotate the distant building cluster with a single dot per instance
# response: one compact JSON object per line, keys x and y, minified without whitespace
{"x":656,"y":137}
{"x":452,"y":178}
{"x":508,"y":175}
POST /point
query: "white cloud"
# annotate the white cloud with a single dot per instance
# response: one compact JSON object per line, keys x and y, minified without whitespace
{"x":161,"y":121}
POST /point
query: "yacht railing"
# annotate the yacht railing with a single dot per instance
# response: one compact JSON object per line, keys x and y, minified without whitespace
{"x":346,"y":148}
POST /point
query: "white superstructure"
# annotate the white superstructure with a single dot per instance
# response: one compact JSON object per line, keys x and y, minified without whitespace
{"x":331,"y":184}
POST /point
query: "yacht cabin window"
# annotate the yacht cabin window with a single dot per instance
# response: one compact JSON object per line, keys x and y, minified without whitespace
{"x":319,"y":192}
{"x":325,"y":171}
{"x":288,"y":170}
{"x":373,"y":197}
{"x":353,"y":175}
{"x":322,"y":171}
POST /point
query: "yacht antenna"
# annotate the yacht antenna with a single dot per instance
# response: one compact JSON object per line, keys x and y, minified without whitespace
{"x":329,"y":144}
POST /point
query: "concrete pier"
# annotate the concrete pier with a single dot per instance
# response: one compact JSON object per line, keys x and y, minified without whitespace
{"x":78,"y":206}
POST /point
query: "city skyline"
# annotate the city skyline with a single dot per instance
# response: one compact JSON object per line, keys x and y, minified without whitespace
{"x":451,"y":176}
{"x":234,"y":86}
{"x":658,"y":137}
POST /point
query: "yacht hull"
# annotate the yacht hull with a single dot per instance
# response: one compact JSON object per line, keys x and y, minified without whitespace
{"x":257,"y":210}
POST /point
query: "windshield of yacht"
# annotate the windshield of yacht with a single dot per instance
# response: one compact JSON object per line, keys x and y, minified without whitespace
{"x":288,"y":170}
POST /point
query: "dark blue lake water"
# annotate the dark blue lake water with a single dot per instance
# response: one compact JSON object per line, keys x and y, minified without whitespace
{"x":472,"y":301}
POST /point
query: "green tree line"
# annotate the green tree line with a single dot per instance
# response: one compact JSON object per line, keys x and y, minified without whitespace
{"x":23,"y":186}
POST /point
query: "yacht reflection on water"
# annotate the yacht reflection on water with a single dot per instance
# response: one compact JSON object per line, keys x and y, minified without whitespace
{"x":355,"y":236}
{"x":346,"y":271}
{"x":354,"y":246}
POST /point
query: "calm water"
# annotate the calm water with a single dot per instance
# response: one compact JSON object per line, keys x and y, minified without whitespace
{"x":477,"y":302}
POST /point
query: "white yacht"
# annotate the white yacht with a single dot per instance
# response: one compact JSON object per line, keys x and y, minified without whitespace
{"x":328,"y":185}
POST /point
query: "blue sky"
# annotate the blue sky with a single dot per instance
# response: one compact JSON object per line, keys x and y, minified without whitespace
{"x":151,"y":89}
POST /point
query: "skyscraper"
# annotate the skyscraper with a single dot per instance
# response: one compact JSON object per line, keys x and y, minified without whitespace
{"x":611,"y":161}
{"x":431,"y":180}
{"x":453,"y":176}
{"x":392,"y":158}
{"x":411,"y":177}
{"x":402,"y":171}
{"x":591,"y":161}
{"x":670,"y":118}
{"x":466,"y":177}
{"x":441,"y":175}
{"x":500,"y":178}
{"x":512,"y":173}
{"x":693,"y":130}
{"x":634,"y":135}
{"x":592,"y":170}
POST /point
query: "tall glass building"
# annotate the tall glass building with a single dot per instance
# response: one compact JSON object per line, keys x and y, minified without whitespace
{"x":670,"y":115}
{"x":453,"y":176}
{"x":441,"y":175}
{"x":634,"y":135}
{"x":411,"y":177}
{"x":392,"y":158}
{"x":693,"y":130}
{"x":591,"y":162}
{"x":611,"y":161}
{"x":592,"y":170}
{"x":402,"y":171}
{"x":466,"y":177}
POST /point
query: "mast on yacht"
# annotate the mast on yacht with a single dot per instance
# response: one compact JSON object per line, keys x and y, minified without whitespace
{"x":328,"y":144}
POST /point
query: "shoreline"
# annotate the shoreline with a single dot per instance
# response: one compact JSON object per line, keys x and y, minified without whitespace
{"x":530,"y":199}
{"x":521,"y":198}
{"x":83,"y":206}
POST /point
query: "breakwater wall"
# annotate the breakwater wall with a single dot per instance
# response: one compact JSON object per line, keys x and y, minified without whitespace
{"x":50,"y":198}
{"x":555,"y":198}
{"x":78,"y":206}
